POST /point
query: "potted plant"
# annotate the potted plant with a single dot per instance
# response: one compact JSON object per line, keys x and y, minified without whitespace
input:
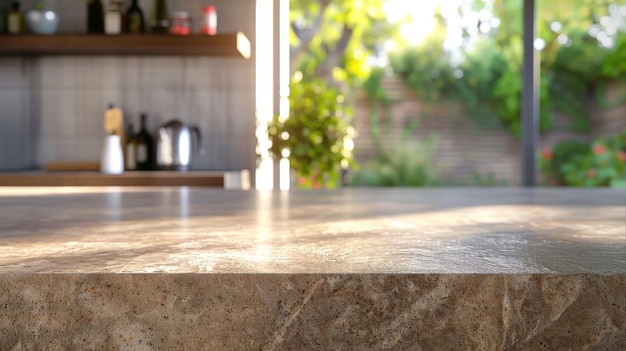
{"x":316,"y":138}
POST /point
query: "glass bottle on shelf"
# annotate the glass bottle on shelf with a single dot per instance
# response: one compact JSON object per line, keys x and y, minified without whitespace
{"x":3,"y":20}
{"x":135,"y":22}
{"x":131,"y":149}
{"x":145,"y":147}
{"x":113,"y":18}
{"x":15,"y":19}
{"x":159,"y":21}
{"x":181,"y":24}
{"x":209,"y":20}
{"x":95,"y":17}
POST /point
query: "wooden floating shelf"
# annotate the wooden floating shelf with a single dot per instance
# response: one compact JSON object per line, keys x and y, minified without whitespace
{"x":223,"y":179}
{"x":229,"y":44}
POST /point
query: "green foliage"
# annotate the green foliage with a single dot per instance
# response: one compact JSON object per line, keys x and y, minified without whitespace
{"x":483,"y":66}
{"x":39,"y":5}
{"x":373,"y":86}
{"x":507,"y":101}
{"x":580,"y":73}
{"x":614,"y":65}
{"x":346,"y":33}
{"x":315,"y":135}
{"x":334,"y":40}
{"x":551,"y":161}
{"x":487,"y":80}
{"x":331,"y":44}
{"x":406,"y":162}
{"x":585,"y":50}
{"x":602,"y":163}
{"x":426,"y":68}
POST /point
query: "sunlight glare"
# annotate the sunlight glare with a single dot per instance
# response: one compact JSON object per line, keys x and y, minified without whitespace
{"x":421,"y":21}
{"x":264,"y":90}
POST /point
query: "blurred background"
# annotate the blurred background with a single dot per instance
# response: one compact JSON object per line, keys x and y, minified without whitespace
{"x":402,"y":93}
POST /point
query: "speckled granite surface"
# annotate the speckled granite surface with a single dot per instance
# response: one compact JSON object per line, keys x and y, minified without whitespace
{"x":311,"y":312}
{"x":397,"y":269}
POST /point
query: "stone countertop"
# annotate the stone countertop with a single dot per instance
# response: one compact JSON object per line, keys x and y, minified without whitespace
{"x":351,"y":269}
{"x":399,"y":231}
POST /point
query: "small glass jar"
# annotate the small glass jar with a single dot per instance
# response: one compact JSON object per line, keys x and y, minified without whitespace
{"x":181,"y":24}
{"x":209,"y":20}
{"x":113,"y":18}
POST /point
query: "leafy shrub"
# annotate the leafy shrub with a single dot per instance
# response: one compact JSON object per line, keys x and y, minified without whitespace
{"x":487,"y":79}
{"x":551,"y":160}
{"x":315,"y":134}
{"x":485,"y":83}
{"x":601,"y":163}
{"x":407,"y":162}
{"x":614,"y":65}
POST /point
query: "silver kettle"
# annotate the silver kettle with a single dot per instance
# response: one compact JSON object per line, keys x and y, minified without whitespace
{"x":174,"y":145}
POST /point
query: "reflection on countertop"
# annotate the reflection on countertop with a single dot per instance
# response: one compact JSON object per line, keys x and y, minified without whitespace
{"x":342,"y":231}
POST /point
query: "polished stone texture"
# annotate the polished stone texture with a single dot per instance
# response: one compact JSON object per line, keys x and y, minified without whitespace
{"x":192,"y":269}
{"x":311,"y":312}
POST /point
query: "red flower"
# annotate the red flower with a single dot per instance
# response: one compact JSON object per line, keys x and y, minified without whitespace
{"x":621,"y":155}
{"x":591,"y":173}
{"x":598,"y":149}
{"x":547,"y":154}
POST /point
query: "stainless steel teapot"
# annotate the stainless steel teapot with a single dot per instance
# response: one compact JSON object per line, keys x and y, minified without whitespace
{"x":174,"y":145}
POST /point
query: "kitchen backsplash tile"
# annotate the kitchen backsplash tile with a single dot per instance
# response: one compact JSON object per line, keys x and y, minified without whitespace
{"x":14,"y":73}
{"x":11,"y":113}
{"x":89,"y":149}
{"x":57,"y":114}
{"x":13,"y":153}
{"x":58,"y":73}
{"x":56,"y":149}
{"x":221,"y":107}
{"x":221,"y":158}
{"x":16,"y":133}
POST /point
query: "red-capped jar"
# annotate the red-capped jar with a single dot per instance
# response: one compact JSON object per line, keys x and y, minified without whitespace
{"x":209,"y":20}
{"x":181,"y":24}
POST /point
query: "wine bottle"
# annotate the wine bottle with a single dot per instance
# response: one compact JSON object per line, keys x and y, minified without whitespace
{"x":135,"y":22}
{"x":3,"y":19}
{"x":15,"y":19}
{"x":159,"y":22}
{"x":145,"y":147}
{"x":131,"y":149}
{"x":95,"y":17}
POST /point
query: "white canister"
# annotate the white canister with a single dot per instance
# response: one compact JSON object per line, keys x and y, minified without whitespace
{"x":113,"y":19}
{"x":112,"y":159}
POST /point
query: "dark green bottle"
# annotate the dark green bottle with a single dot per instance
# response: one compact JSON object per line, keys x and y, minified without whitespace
{"x":159,"y":22}
{"x":131,"y":149}
{"x":15,"y":19}
{"x":145,"y":147}
{"x":135,"y":22}
{"x":95,"y":17}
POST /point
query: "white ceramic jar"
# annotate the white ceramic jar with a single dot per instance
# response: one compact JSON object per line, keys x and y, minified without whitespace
{"x":112,"y":158}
